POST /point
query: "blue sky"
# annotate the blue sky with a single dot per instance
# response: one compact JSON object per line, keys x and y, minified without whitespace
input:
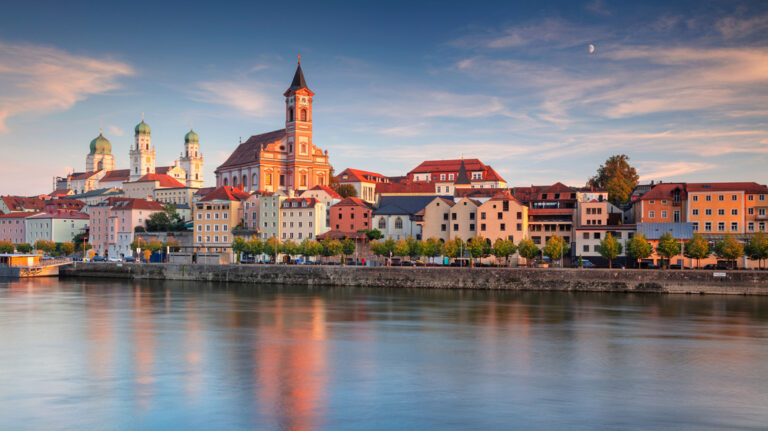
{"x":681,"y":87}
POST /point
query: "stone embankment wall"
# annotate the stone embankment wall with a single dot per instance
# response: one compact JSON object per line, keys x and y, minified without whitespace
{"x":592,"y":280}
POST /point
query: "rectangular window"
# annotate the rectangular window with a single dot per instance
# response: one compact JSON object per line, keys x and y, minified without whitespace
{"x":734,"y":197}
{"x":585,"y":235}
{"x":708,"y":198}
{"x":695,"y":226}
{"x":596,"y":235}
{"x":471,"y":226}
{"x":443,"y":227}
{"x":586,"y":248}
{"x":734,"y":212}
{"x":721,"y":197}
{"x":453,"y":216}
{"x":695,"y":212}
{"x":482,"y":227}
{"x":503,"y":227}
{"x":721,"y":212}
{"x":751,"y":226}
{"x":445,"y":216}
{"x":471,"y":216}
{"x":734,"y":226}
{"x":651,"y":214}
{"x":721,"y":226}
{"x":482,"y":216}
{"x":663,"y":214}
{"x":455,"y":227}
{"x":519,"y":215}
{"x":708,"y":211}
{"x":519,"y":226}
{"x":499,"y":216}
{"x":751,"y":211}
{"x":708,"y":226}
{"x":695,"y":198}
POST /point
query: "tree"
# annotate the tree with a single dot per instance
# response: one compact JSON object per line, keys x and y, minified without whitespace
{"x":729,"y":248}
{"x":554,"y":248}
{"x":332,"y":247}
{"x":290,"y":248}
{"x":756,"y":248}
{"x":272,"y":247}
{"x":153,"y":245}
{"x":414,"y":247}
{"x":66,"y":248}
{"x":383,"y":248}
{"x":333,"y":182}
{"x":527,"y":249}
{"x":401,"y":248}
{"x":239,"y":246}
{"x":348,"y":247}
{"x":158,"y":222}
{"x":431,"y":247}
{"x":478,"y":247}
{"x":346,"y":191}
{"x":617,"y":177}
{"x":23,"y":247}
{"x":45,"y":246}
{"x":455,"y":248}
{"x":638,"y":248}
{"x":6,"y":247}
{"x":372,"y":234}
{"x":255,"y":246}
{"x":668,"y":247}
{"x":609,"y":248}
{"x":503,"y":248}
{"x":171,"y":245}
{"x":697,"y":248}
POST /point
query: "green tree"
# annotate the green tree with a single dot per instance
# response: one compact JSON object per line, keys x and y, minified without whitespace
{"x":45,"y":246}
{"x":668,"y":247}
{"x":348,"y":247}
{"x":6,"y":247}
{"x":617,"y":177}
{"x":153,"y":245}
{"x":23,"y":248}
{"x":431,"y":248}
{"x":255,"y":246}
{"x":554,"y":248}
{"x":239,"y":246}
{"x":414,"y":247}
{"x":290,"y":248}
{"x":756,"y":248}
{"x":455,"y":248}
{"x":171,"y":245}
{"x":527,"y":249}
{"x":347,"y":191}
{"x":697,"y":248}
{"x":372,"y":234}
{"x":503,"y":248}
{"x":729,"y":248}
{"x":158,"y":222}
{"x":332,"y":247}
{"x":609,"y":248}
{"x":478,"y":247}
{"x":272,"y":247}
{"x":638,"y":248}
{"x":401,"y":248}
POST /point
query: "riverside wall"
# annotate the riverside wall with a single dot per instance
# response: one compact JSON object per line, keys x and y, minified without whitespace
{"x":545,"y":279}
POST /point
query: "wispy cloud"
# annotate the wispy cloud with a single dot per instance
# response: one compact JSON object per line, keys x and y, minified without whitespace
{"x":732,"y":27}
{"x":598,"y":7}
{"x":39,"y":79}
{"x":659,"y":170}
{"x":246,"y":97}
{"x":114,"y":130}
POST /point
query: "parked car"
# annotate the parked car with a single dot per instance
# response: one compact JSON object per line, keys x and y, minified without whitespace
{"x":114,"y":259}
{"x":129,"y":259}
{"x":98,"y":258}
{"x":587,"y":264}
{"x":718,"y":266}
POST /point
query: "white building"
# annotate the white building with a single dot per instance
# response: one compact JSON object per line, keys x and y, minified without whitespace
{"x":55,"y":227}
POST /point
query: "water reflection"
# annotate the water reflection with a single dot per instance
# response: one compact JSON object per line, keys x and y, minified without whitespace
{"x":200,"y":356}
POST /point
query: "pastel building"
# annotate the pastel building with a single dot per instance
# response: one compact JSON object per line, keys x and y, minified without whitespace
{"x":463,"y":220}
{"x":351,"y":214}
{"x":302,"y":218}
{"x":215,"y":216}
{"x":364,"y":182}
{"x":285,"y":159}
{"x":13,"y":226}
{"x":587,"y":239}
{"x":400,"y":216}
{"x":327,"y":196}
{"x":114,"y":221}
{"x":503,"y":217}
{"x":55,"y":227}
{"x":145,"y":187}
{"x":445,"y":173}
{"x":269,"y":207}
{"x":436,"y":219}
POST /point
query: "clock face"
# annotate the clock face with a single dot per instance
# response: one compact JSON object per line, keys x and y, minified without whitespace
{"x":303,"y":100}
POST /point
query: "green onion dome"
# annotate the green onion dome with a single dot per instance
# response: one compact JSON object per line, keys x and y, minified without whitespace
{"x":191,"y":136}
{"x":100,"y":145}
{"x":142,"y":129}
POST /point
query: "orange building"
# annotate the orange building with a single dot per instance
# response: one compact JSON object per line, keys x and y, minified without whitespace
{"x":284,"y":159}
{"x":351,"y":215}
{"x":665,"y":203}
{"x":214,"y":218}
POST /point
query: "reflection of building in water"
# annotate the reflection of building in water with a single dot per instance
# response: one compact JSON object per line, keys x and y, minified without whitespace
{"x":101,"y":337}
{"x":291,"y":365}
{"x":143,"y":347}
{"x":193,"y":350}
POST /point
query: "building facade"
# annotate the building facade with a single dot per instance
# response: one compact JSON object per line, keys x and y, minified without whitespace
{"x":350,"y":215}
{"x":215,"y":216}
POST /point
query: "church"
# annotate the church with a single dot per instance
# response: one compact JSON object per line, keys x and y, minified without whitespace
{"x":100,"y":172}
{"x":284,"y":159}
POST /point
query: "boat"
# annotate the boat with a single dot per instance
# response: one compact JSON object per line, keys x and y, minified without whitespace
{"x":30,"y":265}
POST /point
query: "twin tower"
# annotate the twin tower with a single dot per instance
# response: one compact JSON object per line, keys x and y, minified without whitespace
{"x":142,"y":157}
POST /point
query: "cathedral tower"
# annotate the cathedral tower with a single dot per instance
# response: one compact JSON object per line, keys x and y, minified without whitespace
{"x":298,"y":130}
{"x":142,"y":153}
{"x":192,"y":160}
{"x":100,"y":157}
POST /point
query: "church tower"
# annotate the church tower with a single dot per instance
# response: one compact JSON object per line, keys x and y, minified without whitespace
{"x":192,"y":160}
{"x":298,"y":130}
{"x":142,"y":153}
{"x":100,"y":157}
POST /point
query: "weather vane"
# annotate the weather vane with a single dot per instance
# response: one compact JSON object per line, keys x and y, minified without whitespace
{"x":299,"y":57}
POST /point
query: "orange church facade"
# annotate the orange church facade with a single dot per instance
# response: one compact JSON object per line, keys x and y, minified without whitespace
{"x":284,"y":159}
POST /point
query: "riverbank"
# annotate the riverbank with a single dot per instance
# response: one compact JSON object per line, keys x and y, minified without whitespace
{"x":588,"y":280}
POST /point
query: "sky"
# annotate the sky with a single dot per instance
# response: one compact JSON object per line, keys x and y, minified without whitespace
{"x":542,"y":91}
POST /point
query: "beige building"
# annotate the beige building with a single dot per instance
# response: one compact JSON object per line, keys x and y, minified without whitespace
{"x":55,"y":227}
{"x":302,"y":218}
{"x":503,"y":217}
{"x":144,"y":187}
{"x":174,"y":195}
{"x":215,"y":216}
{"x":327,"y":196}
{"x":462,"y":221}
{"x":269,"y":208}
{"x":436,"y":219}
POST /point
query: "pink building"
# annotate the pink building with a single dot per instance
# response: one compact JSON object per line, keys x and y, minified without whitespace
{"x":12,"y":226}
{"x":113,"y":223}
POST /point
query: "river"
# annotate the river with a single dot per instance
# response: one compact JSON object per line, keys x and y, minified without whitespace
{"x":103,"y":354}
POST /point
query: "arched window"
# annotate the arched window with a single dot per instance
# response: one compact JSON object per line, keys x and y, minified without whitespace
{"x":255,"y":181}
{"x":290,"y":114}
{"x":268,"y":178}
{"x":303,"y":115}
{"x":234,"y":181}
{"x":245,"y":181}
{"x":382,"y":223}
{"x":398,"y":223}
{"x":226,"y":181}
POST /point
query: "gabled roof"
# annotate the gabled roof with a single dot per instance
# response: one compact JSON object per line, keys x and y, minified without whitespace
{"x":301,"y":202}
{"x":406,"y":187}
{"x":402,"y":205}
{"x":165,"y":181}
{"x":19,"y":214}
{"x":432,"y":166}
{"x":118,"y":175}
{"x":204,"y":191}
{"x":664,"y":191}
{"x":22,"y":203}
{"x":332,"y":193}
{"x":558,"y":187}
{"x":225,"y":193}
{"x":656,"y":230}
{"x":462,"y":178}
{"x":353,"y":202}
{"x":247,"y":151}
{"x":357,"y":175}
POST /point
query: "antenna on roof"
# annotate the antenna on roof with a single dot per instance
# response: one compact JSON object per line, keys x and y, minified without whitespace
{"x":241,"y":139}
{"x":142,"y":116}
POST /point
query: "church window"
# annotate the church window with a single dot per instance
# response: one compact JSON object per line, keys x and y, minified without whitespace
{"x":268,"y":179}
{"x":304,"y":180}
{"x":245,"y":181}
{"x":303,"y":115}
{"x":234,"y":181}
{"x":255,"y":180}
{"x":290,"y":114}
{"x":226,"y":182}
{"x":382,"y":223}
{"x":282,"y":180}
{"x":398,"y":223}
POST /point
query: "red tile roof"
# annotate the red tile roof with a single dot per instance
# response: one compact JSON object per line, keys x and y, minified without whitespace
{"x":357,"y":175}
{"x":664,"y":191}
{"x":353,"y":202}
{"x":116,"y":175}
{"x":479,"y":193}
{"x":558,"y":187}
{"x":21,"y":203}
{"x":204,"y":191}
{"x":328,"y":190}
{"x":247,"y":151}
{"x":420,"y":187}
{"x":432,"y":166}
{"x":288,"y":202}
{"x":491,"y":175}
{"x":747,"y":187}
{"x":67,"y":216}
{"x":83,"y":175}
{"x":136,"y":204}
{"x":162,"y":180}
{"x":19,"y":214}
{"x":225,"y":193}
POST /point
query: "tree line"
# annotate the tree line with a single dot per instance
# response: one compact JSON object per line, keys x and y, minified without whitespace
{"x":49,"y":247}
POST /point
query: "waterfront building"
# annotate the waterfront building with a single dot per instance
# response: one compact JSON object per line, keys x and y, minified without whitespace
{"x":10,"y":204}
{"x":587,"y":239}
{"x":435,"y":219}
{"x":144,"y":187}
{"x":327,"y":196}
{"x":215,"y":216}
{"x":682,"y":232}
{"x":463,"y":219}
{"x":302,"y":218}
{"x":13,"y":226}
{"x":364,"y":182}
{"x":597,"y":212}
{"x":551,"y":211}
{"x":270,"y":219}
{"x":61,"y":227}
{"x":114,"y":221}
{"x":350,"y":215}
{"x":285,"y":159}
{"x":400,"y":216}
{"x":503,"y":217}
{"x":251,"y":212}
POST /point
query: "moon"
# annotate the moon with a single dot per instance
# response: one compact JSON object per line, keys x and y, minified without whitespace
{"x":591,"y":48}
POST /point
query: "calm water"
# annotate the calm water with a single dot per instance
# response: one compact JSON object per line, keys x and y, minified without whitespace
{"x":172,"y":355}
